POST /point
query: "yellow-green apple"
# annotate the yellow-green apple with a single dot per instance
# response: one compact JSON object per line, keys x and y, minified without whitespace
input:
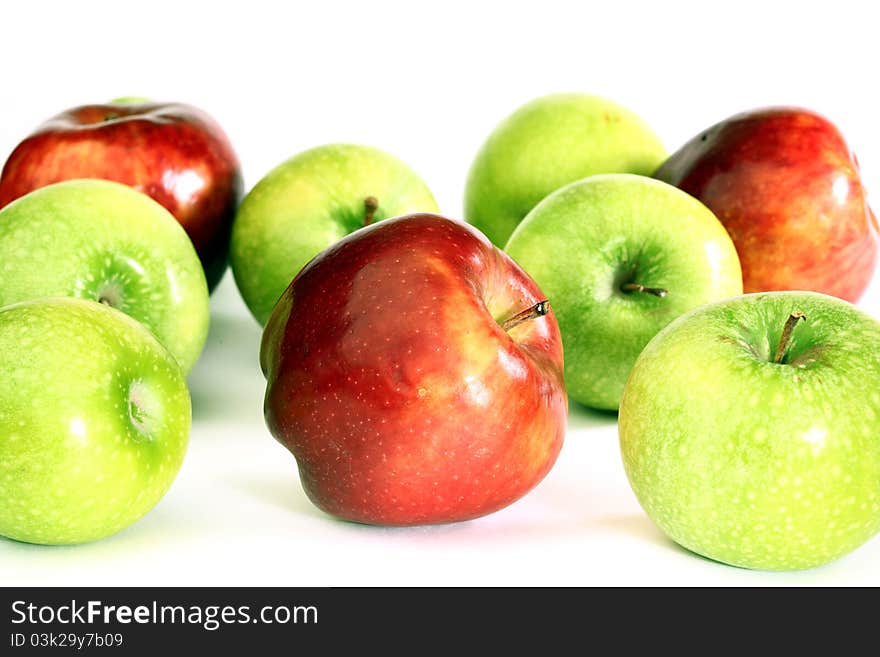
{"x":621,"y":256}
{"x":175,"y":153}
{"x":94,"y":421}
{"x":103,"y":241}
{"x":547,"y":143}
{"x":415,"y":372}
{"x":787,"y":187}
{"x":750,"y":430}
{"x":309,"y":202}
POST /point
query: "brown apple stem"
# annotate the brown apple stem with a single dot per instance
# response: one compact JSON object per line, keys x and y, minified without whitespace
{"x":635,"y":287}
{"x":371,"y":204}
{"x":538,"y":310}
{"x":787,"y":330}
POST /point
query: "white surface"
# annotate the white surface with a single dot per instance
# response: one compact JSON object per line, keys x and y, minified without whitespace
{"x":426,"y":82}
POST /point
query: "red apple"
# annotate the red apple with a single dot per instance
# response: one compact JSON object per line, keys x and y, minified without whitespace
{"x":786,"y":186}
{"x":175,"y":153}
{"x":414,"y":373}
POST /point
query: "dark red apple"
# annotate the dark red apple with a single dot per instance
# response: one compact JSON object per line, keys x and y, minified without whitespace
{"x":415,"y":374}
{"x":175,"y":153}
{"x":786,"y":186}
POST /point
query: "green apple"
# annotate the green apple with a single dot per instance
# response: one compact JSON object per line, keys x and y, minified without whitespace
{"x":103,"y":241}
{"x":94,"y":421}
{"x":308,"y":203}
{"x":620,"y":256}
{"x":550,"y":142}
{"x":752,"y":437}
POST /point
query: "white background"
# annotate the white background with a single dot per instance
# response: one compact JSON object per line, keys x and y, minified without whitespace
{"x":426,"y":82}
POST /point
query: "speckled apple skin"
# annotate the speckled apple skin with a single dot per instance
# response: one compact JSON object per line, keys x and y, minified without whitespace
{"x":174,"y":153}
{"x":307,"y":203}
{"x":393,"y":384}
{"x":74,"y":467}
{"x":787,"y":187}
{"x":584,"y":240}
{"x":549,"y":142}
{"x":756,"y":464}
{"x":82,"y":238}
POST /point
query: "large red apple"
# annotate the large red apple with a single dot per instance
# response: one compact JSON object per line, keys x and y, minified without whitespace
{"x":786,"y":186}
{"x":415,"y":374}
{"x":175,"y":153}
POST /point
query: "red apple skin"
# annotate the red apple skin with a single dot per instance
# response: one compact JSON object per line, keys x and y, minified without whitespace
{"x":391,"y":382}
{"x":786,"y":186}
{"x":175,"y":153}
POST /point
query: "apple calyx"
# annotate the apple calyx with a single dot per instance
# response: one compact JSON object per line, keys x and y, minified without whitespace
{"x":110,"y":295}
{"x":635,"y":287}
{"x":785,"y":338}
{"x":371,"y":204}
{"x":142,"y":408}
{"x":538,"y":310}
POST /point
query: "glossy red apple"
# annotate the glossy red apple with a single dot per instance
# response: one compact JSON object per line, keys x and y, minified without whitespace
{"x":175,"y":153}
{"x":415,"y":374}
{"x":786,"y":186}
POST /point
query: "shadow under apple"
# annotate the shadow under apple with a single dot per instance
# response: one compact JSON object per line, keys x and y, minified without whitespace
{"x":640,"y":527}
{"x":287,"y":495}
{"x":284,"y":493}
{"x":159,"y":524}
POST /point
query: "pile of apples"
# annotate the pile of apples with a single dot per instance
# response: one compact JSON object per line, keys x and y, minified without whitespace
{"x":414,"y":363}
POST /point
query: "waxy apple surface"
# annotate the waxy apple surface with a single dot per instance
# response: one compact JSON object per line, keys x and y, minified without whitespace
{"x":309,"y":202}
{"x":547,"y":143}
{"x":787,"y":187}
{"x":753,"y":462}
{"x":621,"y":256}
{"x":94,"y":421}
{"x":394,"y":384}
{"x":103,"y":241}
{"x":175,"y":153}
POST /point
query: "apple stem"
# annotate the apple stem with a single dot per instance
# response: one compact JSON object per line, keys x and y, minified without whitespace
{"x":538,"y":310}
{"x":635,"y":287}
{"x":787,"y":330}
{"x":371,"y":204}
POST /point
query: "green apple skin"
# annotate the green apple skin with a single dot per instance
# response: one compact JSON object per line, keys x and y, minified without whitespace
{"x":309,"y":203}
{"x":548,"y":143}
{"x":103,"y":241}
{"x":585,"y":241}
{"x":94,"y":421}
{"x":752,"y":463}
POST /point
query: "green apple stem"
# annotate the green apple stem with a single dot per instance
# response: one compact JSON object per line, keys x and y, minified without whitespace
{"x":538,"y":310}
{"x":787,"y":330}
{"x":371,"y":204}
{"x":635,"y":287}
